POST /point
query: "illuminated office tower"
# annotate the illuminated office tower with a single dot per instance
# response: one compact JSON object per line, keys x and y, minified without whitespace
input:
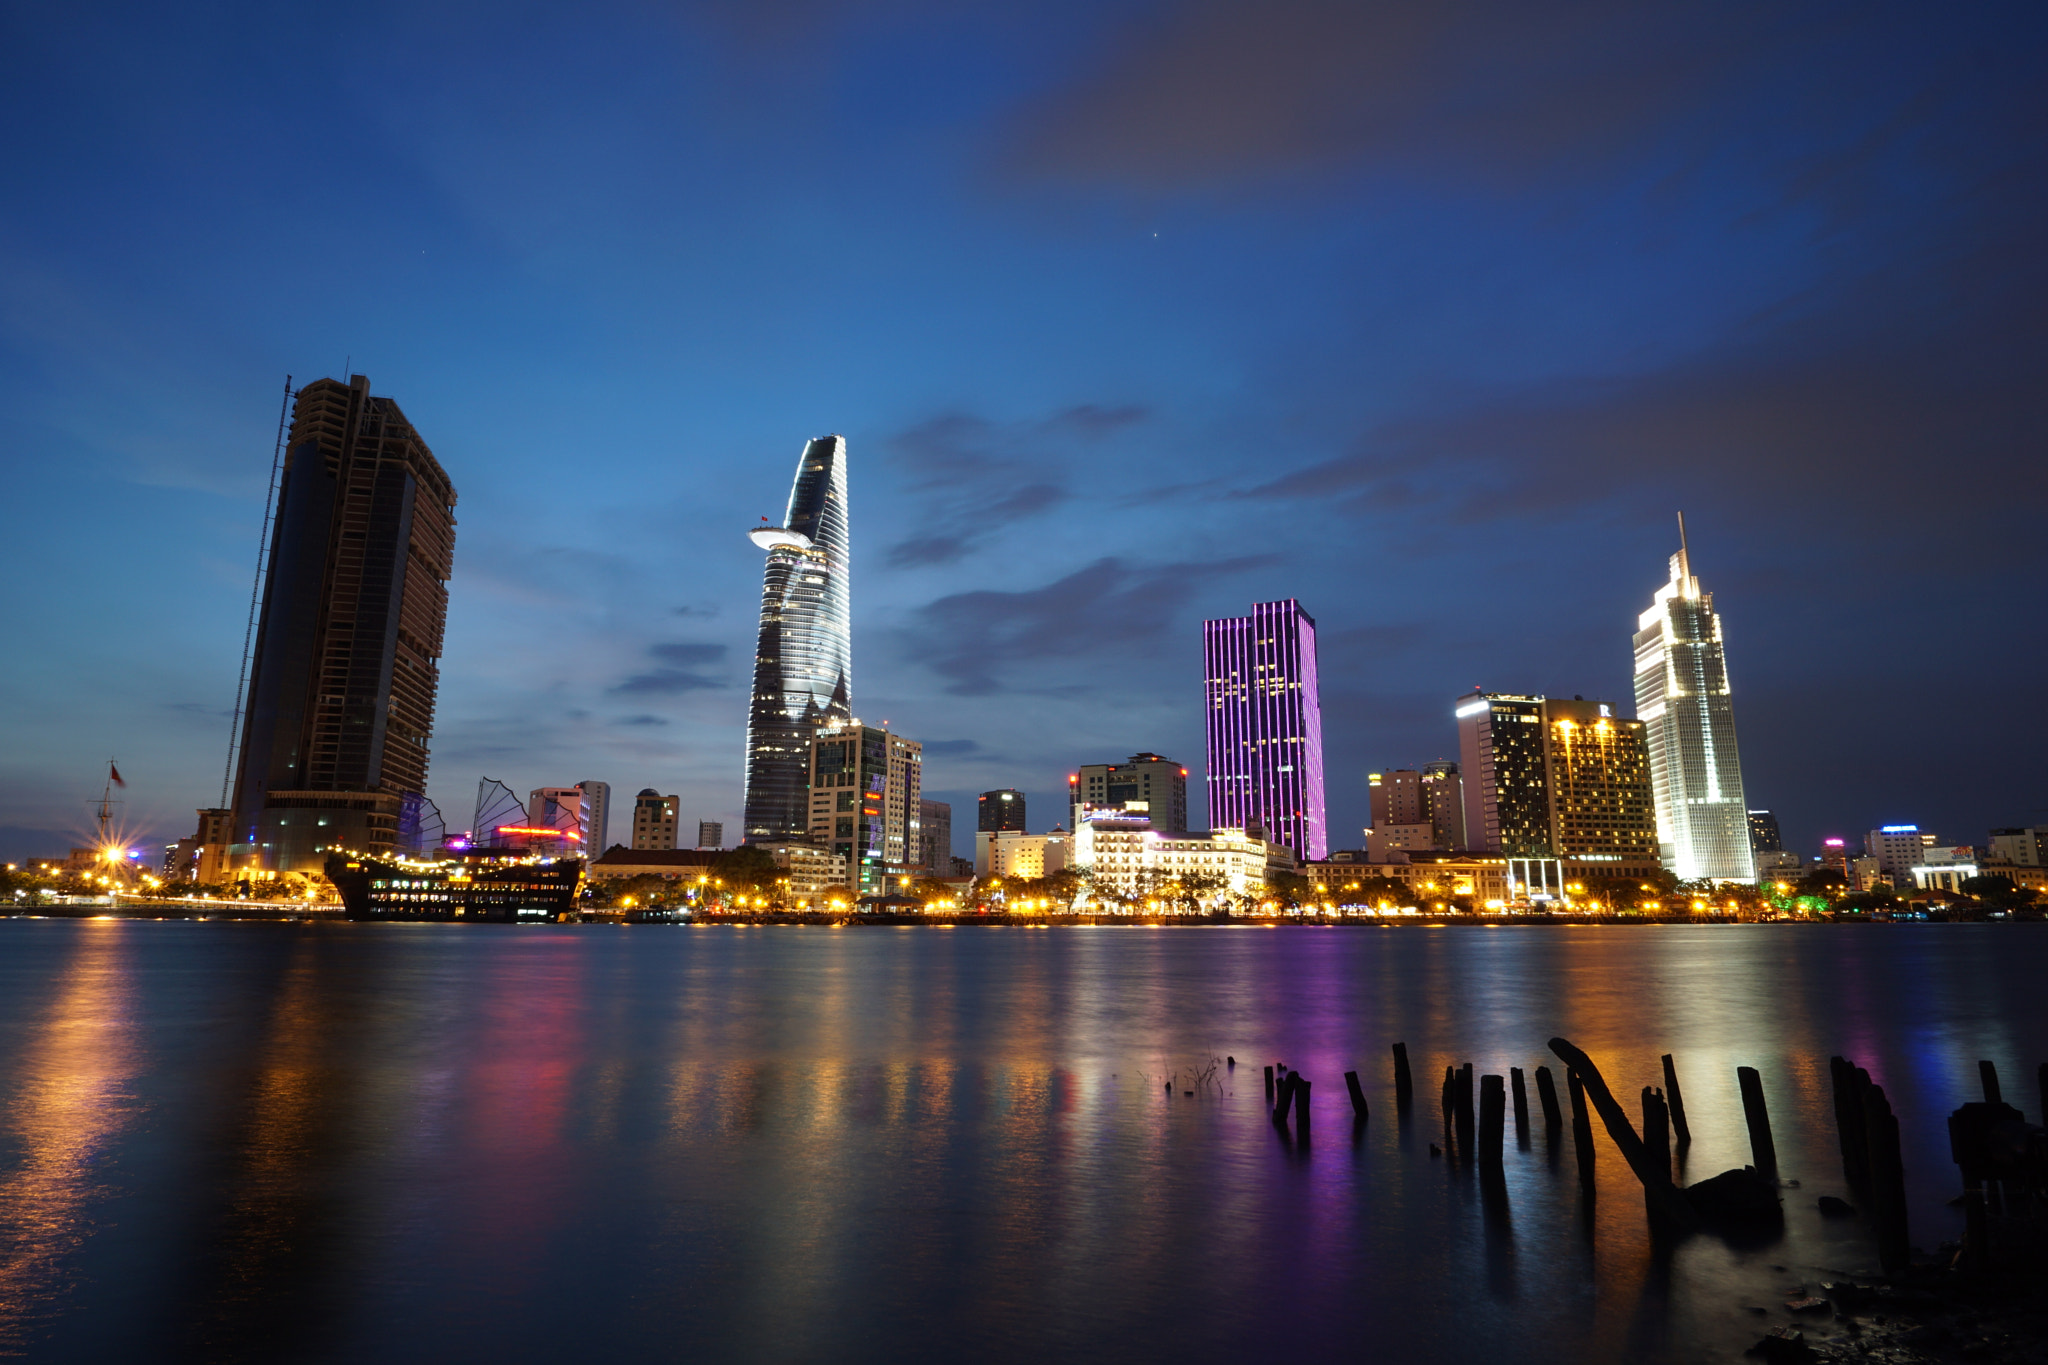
{"x":803,"y":662}
{"x":935,"y":837}
{"x":597,"y":817}
{"x":1682,"y":696}
{"x":1265,"y":727}
{"x":1502,"y":756}
{"x":347,"y":654}
{"x":1763,"y":833}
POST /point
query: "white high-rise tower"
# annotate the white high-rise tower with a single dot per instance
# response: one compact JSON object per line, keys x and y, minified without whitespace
{"x":1682,"y":699}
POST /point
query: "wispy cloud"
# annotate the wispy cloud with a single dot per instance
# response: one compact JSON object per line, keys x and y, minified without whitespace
{"x":682,"y":671}
{"x":974,"y":476}
{"x":980,"y":641}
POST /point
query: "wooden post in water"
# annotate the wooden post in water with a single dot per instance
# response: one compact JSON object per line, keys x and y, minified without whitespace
{"x":1465,"y":1114}
{"x":1450,"y":1096}
{"x":1761,"y":1148}
{"x":1849,"y":1123}
{"x":1287,"y":1084}
{"x":1665,"y":1196}
{"x":1582,"y":1131}
{"x":1493,"y":1105}
{"x":1988,"y":1073}
{"x":1357,"y":1095}
{"x":1301,"y":1089}
{"x":1657,"y":1145}
{"x":1520,"y":1090}
{"x":1657,"y":1130}
{"x":1546,"y":1091}
{"x":1677,"y":1103}
{"x":1404,"y":1087}
{"x":1887,"y":1180}
{"x":1269,"y":1087}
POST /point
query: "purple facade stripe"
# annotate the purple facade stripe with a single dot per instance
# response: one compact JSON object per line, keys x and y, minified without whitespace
{"x":1266,"y":726}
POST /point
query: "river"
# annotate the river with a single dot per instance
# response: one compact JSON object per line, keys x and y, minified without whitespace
{"x":328,"y":1142}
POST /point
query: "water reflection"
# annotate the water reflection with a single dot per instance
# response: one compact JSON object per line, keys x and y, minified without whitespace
{"x":428,"y":1142}
{"x":67,"y":1100}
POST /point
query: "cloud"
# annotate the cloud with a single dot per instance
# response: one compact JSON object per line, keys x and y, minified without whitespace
{"x":980,"y":641}
{"x":973,"y":476}
{"x":951,"y":748}
{"x":1211,"y":90}
{"x":683,"y":671}
{"x":639,"y":720}
{"x":198,"y":708}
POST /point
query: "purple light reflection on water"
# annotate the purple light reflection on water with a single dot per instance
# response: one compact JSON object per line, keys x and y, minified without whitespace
{"x":428,"y":1142}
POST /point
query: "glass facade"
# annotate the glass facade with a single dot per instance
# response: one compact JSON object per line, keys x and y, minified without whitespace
{"x":1265,"y":723}
{"x":803,"y":663}
{"x":1682,"y":696}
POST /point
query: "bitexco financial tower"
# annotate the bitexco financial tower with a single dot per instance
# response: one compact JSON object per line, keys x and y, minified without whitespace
{"x":803,"y":664}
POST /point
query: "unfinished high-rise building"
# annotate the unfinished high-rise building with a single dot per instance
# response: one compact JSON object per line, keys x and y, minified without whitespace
{"x":346,"y":664}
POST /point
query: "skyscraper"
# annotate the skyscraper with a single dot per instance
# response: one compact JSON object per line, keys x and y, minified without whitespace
{"x":1443,"y":800}
{"x":1682,"y":695}
{"x":1266,"y":726}
{"x":803,"y":663}
{"x":1000,"y":810}
{"x":1763,"y":833}
{"x":346,"y":664}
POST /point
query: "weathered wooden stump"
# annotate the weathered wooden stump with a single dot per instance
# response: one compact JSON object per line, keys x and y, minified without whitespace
{"x":1546,"y":1091}
{"x":1404,"y":1086}
{"x":1492,"y":1119}
{"x":1762,"y":1149}
{"x":1520,"y":1090}
{"x":1357,"y":1095}
{"x":1677,"y":1103}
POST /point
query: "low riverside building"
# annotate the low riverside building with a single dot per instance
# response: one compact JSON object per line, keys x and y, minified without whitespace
{"x":1129,"y":862}
{"x":1430,"y":879}
{"x":1013,"y":853}
{"x":810,"y":874}
{"x":675,"y":864}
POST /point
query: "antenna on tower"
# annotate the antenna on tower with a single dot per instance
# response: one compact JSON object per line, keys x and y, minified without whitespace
{"x":227,"y":776}
{"x":1681,"y":535}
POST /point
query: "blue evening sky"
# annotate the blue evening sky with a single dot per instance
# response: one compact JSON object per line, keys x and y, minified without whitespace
{"x":1427,"y":314}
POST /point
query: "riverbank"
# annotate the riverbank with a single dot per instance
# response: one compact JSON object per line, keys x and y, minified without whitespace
{"x":142,"y":909}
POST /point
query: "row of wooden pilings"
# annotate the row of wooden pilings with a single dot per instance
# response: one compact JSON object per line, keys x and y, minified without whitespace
{"x":1868,"y":1131}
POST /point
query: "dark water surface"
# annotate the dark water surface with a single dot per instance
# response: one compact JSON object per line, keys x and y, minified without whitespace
{"x":233,"y":1142}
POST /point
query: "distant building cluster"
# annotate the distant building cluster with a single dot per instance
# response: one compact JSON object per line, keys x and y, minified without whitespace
{"x":1548,"y":799}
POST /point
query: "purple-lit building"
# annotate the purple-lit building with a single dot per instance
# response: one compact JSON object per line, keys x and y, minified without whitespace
{"x":1266,"y":726}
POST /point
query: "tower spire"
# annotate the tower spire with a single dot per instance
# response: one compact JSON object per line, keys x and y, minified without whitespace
{"x":1684,"y":552}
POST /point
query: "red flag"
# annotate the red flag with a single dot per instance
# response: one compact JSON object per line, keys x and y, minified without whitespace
{"x":115,"y":773}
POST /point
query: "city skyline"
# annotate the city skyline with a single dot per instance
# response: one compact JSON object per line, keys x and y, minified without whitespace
{"x":1438,"y":356}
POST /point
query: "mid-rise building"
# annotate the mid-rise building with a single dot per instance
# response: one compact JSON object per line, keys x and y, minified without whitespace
{"x":1013,"y":853}
{"x":999,"y":810}
{"x":803,"y":659}
{"x":1779,"y":866}
{"x":1763,"y":833}
{"x":347,"y":654}
{"x":865,"y":785}
{"x":654,"y":820}
{"x":1898,"y":850}
{"x":1265,"y":727}
{"x":1396,"y":798}
{"x":810,"y":876}
{"x":560,"y":809}
{"x":2026,"y":847}
{"x":710,"y":834}
{"x":1143,"y":782}
{"x":1683,"y":697}
{"x":935,"y":837}
{"x":1383,"y":841}
{"x":1443,"y":803}
{"x":597,"y":816}
{"x":1129,"y":862}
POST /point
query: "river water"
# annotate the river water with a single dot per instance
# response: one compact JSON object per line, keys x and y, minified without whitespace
{"x":229,"y":1142}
